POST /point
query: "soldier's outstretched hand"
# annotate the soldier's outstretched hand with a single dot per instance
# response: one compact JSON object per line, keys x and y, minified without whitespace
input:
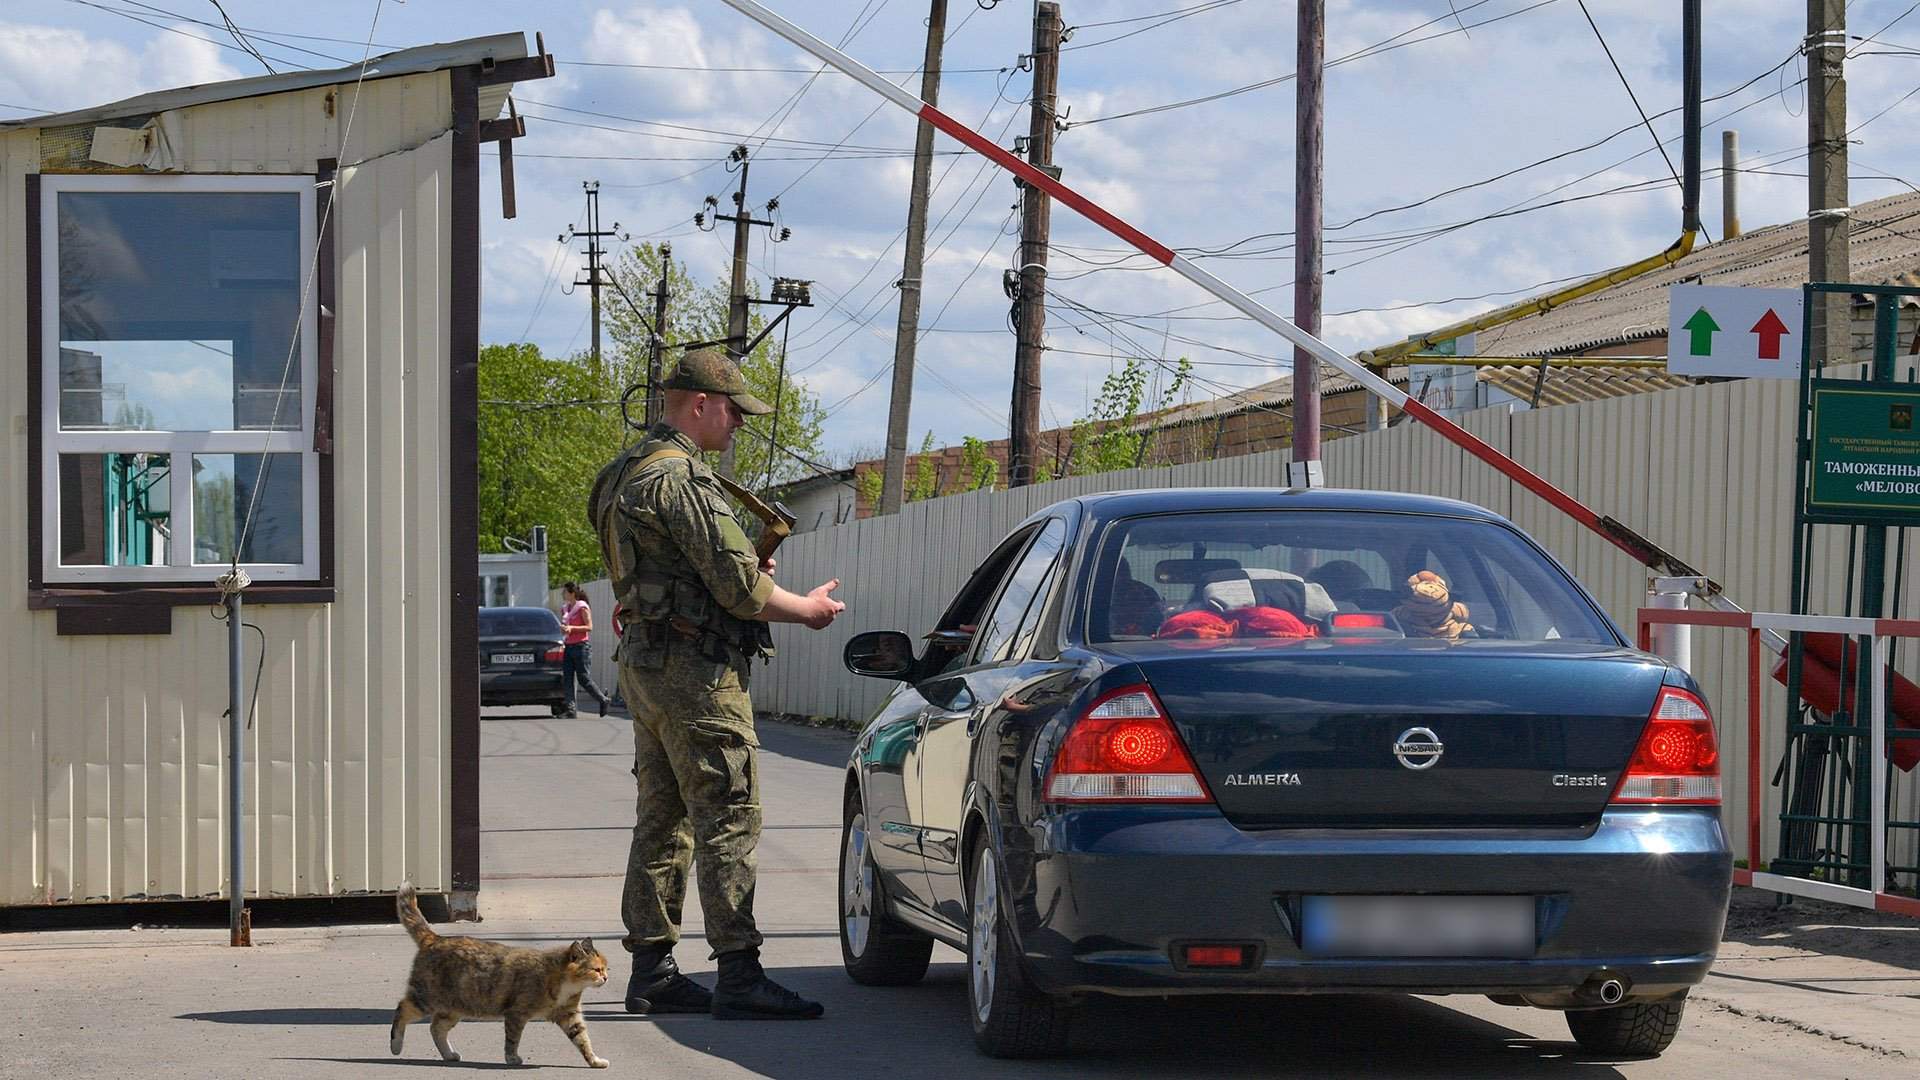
{"x":824,"y":607}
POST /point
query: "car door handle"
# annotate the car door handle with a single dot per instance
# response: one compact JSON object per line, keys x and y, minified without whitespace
{"x":978,"y":714}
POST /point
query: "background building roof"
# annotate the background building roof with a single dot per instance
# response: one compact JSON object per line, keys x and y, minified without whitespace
{"x":1884,"y":243}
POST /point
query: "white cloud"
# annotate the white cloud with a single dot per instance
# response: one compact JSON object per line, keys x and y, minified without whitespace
{"x":64,"y":69}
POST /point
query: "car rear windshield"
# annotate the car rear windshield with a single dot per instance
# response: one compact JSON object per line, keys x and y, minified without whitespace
{"x":1323,"y":573}
{"x":518,"y":622}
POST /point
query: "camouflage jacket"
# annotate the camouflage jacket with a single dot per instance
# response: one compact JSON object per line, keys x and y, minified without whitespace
{"x":681,"y":566}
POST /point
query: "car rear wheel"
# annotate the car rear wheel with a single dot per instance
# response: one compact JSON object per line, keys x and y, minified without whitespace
{"x":1627,"y":1030}
{"x":1010,"y":1018}
{"x":876,"y":950}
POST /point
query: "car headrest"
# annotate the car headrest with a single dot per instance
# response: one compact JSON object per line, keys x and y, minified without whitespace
{"x":1256,"y":586}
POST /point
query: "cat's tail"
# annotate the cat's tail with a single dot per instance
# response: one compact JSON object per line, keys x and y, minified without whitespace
{"x":411,"y":918}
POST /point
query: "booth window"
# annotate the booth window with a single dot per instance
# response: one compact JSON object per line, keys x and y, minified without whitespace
{"x":178,"y":363}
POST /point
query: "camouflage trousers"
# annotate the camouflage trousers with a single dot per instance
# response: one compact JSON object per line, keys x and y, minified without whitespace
{"x":699,"y":803}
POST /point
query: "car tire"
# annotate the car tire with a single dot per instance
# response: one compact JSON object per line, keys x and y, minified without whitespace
{"x":875,"y":949}
{"x":1627,"y":1030}
{"x":1010,"y":1018}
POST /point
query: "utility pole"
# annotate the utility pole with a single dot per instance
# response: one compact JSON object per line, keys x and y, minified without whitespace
{"x":657,"y":346}
{"x":1309,"y":97}
{"x":1035,"y":227}
{"x":906,"y":335}
{"x":1828,"y":317}
{"x":593,"y":233}
{"x":737,"y":291}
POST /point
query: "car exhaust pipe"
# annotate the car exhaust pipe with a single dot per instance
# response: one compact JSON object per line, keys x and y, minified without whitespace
{"x":1603,"y":988}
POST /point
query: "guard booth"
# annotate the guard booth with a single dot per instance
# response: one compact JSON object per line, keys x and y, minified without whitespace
{"x":239,"y":322}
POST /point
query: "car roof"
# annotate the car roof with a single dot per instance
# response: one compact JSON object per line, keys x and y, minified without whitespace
{"x":517,"y":611}
{"x":1118,"y":504}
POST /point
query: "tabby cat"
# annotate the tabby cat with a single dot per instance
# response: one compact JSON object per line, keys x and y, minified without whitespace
{"x":460,"y":978}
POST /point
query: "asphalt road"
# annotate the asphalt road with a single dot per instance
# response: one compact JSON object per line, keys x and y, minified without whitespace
{"x":557,"y":803}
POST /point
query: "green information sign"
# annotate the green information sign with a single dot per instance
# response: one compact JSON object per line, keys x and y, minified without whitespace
{"x":1865,"y":460}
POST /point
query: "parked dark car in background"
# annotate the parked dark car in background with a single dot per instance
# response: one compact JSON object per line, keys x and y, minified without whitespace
{"x":1258,"y":741}
{"x":521,"y":655}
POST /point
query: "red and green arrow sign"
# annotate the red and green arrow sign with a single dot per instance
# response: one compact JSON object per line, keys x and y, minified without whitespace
{"x":1725,"y":331}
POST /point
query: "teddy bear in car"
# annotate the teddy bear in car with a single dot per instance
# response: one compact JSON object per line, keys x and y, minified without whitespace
{"x":1430,"y":610}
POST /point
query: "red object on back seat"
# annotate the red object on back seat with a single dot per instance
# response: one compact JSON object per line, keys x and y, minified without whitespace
{"x":1273,"y":622}
{"x":1196,"y":624}
{"x":1820,"y":687}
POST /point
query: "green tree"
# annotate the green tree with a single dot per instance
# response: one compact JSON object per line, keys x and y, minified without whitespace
{"x":545,"y":430}
{"x":699,"y":313}
{"x":978,"y":469}
{"x":1107,"y":439}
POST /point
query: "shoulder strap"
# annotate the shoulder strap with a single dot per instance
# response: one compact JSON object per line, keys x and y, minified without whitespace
{"x":665,"y":453}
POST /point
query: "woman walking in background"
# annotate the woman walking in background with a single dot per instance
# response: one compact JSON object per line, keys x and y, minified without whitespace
{"x":577,"y":619}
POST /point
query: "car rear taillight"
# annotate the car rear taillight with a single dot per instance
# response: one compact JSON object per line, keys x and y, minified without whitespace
{"x":1218,"y":956}
{"x":1678,"y":760}
{"x":1123,"y":749}
{"x":556,"y":655}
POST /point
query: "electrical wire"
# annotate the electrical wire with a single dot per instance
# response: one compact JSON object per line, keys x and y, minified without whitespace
{"x":313,"y":273}
{"x":125,"y":14}
{"x":1376,"y":49}
{"x":1608,"y":49}
{"x":1171,"y":17}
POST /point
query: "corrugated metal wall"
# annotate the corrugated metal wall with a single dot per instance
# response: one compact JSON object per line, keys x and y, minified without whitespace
{"x":112,"y":749}
{"x":1704,"y":471}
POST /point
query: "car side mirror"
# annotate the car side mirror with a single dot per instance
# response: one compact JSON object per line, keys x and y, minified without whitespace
{"x":880,"y":654}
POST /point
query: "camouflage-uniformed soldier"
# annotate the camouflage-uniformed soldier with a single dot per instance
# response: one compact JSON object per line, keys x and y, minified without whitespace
{"x":697,"y":602}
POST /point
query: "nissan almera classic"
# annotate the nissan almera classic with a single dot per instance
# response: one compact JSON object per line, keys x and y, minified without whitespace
{"x":1272,"y":742}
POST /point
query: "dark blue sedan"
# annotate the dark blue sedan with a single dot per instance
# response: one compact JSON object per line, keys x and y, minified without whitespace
{"x":1256,"y":741}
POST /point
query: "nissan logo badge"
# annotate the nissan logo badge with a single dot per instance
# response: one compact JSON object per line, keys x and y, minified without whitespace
{"x":1418,"y":748}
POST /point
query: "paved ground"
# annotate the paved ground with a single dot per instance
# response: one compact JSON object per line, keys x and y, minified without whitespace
{"x":1810,"y":993}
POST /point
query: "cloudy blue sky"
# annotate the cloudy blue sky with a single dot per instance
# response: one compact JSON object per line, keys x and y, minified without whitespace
{"x":1430,"y":101}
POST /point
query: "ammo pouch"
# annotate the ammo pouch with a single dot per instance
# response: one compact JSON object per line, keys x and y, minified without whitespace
{"x":663,"y":610}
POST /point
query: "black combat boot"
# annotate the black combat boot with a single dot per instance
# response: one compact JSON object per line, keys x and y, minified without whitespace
{"x":657,"y":986}
{"x":744,"y":992}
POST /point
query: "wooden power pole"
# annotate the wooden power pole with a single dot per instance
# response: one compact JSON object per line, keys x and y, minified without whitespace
{"x":1035,"y":217}
{"x":1827,"y":258}
{"x":906,"y":337}
{"x":657,"y":347}
{"x":593,"y":233}
{"x":1308,"y":128}
{"x":737,"y":320}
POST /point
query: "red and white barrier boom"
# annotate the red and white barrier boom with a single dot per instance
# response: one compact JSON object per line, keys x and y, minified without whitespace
{"x":1613,"y":531}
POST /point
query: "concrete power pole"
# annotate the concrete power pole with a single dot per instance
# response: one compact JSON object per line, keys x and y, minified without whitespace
{"x":656,"y":348}
{"x":907,"y":331}
{"x":1308,"y":129}
{"x":1827,"y":256}
{"x":1035,"y":219}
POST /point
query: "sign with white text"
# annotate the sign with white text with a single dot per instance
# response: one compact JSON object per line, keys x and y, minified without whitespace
{"x":1864,"y":459}
{"x":1743,"y":333}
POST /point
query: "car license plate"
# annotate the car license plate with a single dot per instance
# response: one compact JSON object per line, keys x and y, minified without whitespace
{"x":1452,"y":926}
{"x":513,"y":658}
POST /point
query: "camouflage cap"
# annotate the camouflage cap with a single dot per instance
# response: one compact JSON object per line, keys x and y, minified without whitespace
{"x":714,"y":372}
